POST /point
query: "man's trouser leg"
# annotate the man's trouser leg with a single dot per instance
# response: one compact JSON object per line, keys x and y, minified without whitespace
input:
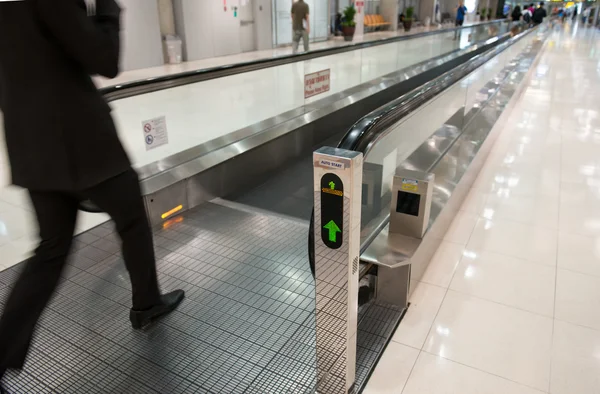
{"x":305,"y":40}
{"x":297,"y":35}
{"x":121,"y":198}
{"x":56,"y":215}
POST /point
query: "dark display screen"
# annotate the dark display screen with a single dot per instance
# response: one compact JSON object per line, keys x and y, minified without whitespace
{"x":332,"y":211}
{"x":408,"y":203}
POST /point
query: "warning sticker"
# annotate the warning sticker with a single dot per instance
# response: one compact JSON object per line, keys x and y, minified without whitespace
{"x":410,"y":185}
{"x":317,"y":83}
{"x":155,"y":132}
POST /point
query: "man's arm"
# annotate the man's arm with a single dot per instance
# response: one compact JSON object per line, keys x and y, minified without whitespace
{"x":93,"y":41}
{"x":307,"y":19}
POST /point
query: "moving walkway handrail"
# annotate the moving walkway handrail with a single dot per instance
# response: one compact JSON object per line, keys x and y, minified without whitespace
{"x":365,"y":133}
{"x":372,"y":127}
{"x":153,"y":84}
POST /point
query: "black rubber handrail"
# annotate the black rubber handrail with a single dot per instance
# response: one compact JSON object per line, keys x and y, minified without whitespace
{"x":365,"y":132}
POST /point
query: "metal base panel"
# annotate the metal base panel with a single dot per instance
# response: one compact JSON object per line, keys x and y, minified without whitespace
{"x":247,"y":324}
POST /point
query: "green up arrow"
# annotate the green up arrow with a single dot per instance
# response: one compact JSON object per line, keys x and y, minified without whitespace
{"x":332,"y":185}
{"x":333,"y":230}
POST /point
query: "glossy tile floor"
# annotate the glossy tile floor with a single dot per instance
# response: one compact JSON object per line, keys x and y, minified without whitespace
{"x":509,"y":304}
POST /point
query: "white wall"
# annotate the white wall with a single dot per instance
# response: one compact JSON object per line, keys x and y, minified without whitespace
{"x":141,"y":38}
{"x":166,"y":17}
{"x":427,"y":9}
{"x":193,"y":23}
{"x":344,"y":4}
{"x":208,"y":30}
{"x":389,"y":11}
{"x":263,"y":24}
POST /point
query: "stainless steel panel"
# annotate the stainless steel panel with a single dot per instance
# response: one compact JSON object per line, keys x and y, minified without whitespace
{"x":408,"y":223}
{"x":190,"y":162}
{"x":336,"y":268}
{"x":455,"y":173}
{"x":392,"y":285}
{"x":390,"y":250}
{"x":167,"y":200}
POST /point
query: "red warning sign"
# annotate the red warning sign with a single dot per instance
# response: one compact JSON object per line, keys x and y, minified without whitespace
{"x":317,"y":83}
{"x":360,"y":5}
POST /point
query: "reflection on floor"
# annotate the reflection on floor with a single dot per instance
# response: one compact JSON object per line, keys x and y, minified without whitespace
{"x":510,"y":302}
{"x":246,"y":326}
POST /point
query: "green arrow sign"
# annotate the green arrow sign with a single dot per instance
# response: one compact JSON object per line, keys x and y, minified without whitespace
{"x":333,"y":230}
{"x":332,"y":211}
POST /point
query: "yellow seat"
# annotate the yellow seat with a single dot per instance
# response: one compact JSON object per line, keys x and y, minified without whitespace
{"x":381,"y":21}
{"x":375,"y":21}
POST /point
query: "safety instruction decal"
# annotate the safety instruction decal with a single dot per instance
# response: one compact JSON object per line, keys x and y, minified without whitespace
{"x":410,"y":185}
{"x":155,"y":132}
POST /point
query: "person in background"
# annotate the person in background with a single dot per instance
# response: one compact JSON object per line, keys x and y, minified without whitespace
{"x":461,"y":11}
{"x":516,"y":14}
{"x":300,"y":25}
{"x":63,"y":148}
{"x":539,"y":14}
{"x":575,"y":13}
{"x":527,"y":14}
{"x":338,"y":24}
{"x":586,"y":15}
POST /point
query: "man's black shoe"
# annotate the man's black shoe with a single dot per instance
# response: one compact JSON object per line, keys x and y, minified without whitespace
{"x":169,"y":301}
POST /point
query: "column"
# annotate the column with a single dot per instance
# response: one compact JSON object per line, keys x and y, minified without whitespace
{"x":337,"y":196}
{"x":359,"y":18}
{"x":389,"y":11}
{"x":141,"y":39}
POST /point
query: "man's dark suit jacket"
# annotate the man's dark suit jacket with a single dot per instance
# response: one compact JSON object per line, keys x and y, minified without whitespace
{"x":59,"y":132}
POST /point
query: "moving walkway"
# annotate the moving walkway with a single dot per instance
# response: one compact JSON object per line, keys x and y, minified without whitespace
{"x":231,"y":221}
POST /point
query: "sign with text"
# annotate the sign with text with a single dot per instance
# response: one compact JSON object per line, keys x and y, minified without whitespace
{"x":155,"y":132}
{"x":317,"y":83}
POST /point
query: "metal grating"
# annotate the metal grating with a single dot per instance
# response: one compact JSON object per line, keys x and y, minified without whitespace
{"x":246,"y":326}
{"x":377,"y":323}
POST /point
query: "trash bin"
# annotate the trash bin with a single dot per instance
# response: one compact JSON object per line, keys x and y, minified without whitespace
{"x":173,"y":48}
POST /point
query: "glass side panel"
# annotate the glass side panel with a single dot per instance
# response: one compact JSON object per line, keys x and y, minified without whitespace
{"x":225,"y":110}
{"x":438,"y":123}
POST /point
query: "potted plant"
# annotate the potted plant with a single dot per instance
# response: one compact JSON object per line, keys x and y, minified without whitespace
{"x":408,"y":18}
{"x":348,"y":24}
{"x":489,"y":14}
{"x":482,"y":14}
